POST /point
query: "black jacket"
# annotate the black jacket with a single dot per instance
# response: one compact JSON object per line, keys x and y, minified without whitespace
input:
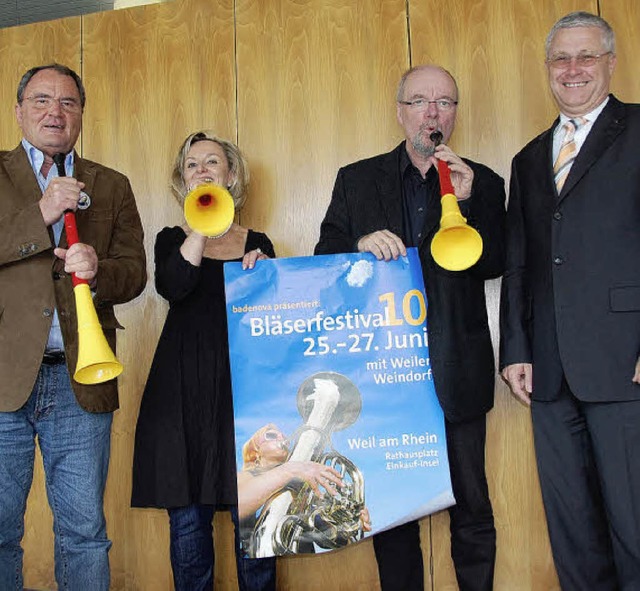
{"x":571,"y":291}
{"x":367,"y":196}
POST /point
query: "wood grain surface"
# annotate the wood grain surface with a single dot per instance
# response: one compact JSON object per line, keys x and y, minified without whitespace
{"x":304,"y":87}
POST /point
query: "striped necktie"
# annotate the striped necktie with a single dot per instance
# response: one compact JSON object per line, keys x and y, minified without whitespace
{"x":568,"y":152}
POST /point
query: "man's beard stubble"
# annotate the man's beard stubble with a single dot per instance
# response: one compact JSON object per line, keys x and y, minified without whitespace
{"x":422,"y":143}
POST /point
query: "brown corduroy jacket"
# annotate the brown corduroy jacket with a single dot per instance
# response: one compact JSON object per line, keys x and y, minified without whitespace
{"x":33,"y":281}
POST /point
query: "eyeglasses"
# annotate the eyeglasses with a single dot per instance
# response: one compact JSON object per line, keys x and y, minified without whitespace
{"x":421,"y":104}
{"x":44,"y":102}
{"x":584,"y":60}
{"x":271,"y":435}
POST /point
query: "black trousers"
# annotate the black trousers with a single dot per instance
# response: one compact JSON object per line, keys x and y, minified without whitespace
{"x":588,"y":456}
{"x":473,"y":535}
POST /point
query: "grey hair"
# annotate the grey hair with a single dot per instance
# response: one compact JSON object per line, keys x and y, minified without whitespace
{"x":403,"y":80}
{"x":64,"y":70}
{"x":238,"y":167}
{"x":583,"y":19}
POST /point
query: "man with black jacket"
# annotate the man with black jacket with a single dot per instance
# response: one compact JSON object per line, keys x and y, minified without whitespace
{"x":388,"y":202}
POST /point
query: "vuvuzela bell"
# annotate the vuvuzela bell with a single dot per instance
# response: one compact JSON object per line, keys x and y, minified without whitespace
{"x":456,"y":245}
{"x":209,"y":210}
{"x":96,"y":361}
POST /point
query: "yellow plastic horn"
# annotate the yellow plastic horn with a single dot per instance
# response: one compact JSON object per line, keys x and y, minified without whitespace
{"x":96,"y":361}
{"x":456,"y":245}
{"x":209,"y":210}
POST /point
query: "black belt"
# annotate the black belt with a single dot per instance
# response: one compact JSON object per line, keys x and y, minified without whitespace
{"x":54,"y":358}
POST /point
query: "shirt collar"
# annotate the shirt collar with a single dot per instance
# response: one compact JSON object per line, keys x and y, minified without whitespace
{"x":590,"y":117}
{"x":405,"y":161}
{"x":408,"y":167}
{"x":36,"y":159}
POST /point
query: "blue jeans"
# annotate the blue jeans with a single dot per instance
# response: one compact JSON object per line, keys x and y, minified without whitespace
{"x":192,"y":555}
{"x":75,"y":449}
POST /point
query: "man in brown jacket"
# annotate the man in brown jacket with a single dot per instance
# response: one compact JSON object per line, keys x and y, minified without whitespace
{"x":38,"y":326}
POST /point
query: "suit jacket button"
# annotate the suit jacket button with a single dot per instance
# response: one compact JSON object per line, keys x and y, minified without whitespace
{"x":558,"y":260}
{"x":47,"y":312}
{"x":56,"y":275}
{"x":557,"y":215}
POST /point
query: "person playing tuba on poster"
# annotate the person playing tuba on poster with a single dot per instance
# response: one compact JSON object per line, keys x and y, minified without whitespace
{"x":291,"y":498}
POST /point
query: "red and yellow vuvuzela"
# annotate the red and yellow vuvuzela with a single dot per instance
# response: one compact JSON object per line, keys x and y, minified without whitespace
{"x":456,"y":245}
{"x":96,"y":361}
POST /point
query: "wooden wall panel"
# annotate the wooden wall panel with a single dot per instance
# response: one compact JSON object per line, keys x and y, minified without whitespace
{"x":316,"y":84}
{"x":624,"y":17}
{"x":304,"y":87}
{"x":22,"y":48}
{"x":496,"y":52}
{"x":153,"y":75}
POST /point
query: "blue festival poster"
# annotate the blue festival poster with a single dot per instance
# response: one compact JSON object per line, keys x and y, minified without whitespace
{"x":339,"y":433}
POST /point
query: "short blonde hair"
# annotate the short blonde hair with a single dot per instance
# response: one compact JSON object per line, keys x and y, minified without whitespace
{"x":237,"y":167}
{"x":251,"y":449}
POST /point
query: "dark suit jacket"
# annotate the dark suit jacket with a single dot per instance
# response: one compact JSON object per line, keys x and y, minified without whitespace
{"x":571,"y":291}
{"x":367,"y":197}
{"x":33,"y":281}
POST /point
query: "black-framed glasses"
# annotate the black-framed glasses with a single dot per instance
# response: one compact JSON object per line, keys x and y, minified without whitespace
{"x":422,"y":104}
{"x":271,"y":435}
{"x":584,"y":60}
{"x":43,"y":102}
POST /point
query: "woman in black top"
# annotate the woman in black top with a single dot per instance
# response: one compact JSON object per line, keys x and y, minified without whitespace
{"x":184,"y":458}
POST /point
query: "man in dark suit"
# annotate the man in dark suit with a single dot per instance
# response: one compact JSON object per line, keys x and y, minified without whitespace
{"x":570,"y":311}
{"x":38,"y":326}
{"x":383,"y":204}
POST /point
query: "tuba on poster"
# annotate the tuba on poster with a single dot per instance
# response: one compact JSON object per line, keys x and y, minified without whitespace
{"x":339,"y":433}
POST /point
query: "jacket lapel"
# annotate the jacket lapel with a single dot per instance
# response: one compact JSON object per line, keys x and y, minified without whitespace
{"x":607,"y":127}
{"x":389,"y":186}
{"x":543,"y":158}
{"x":21,"y":175}
{"x":84,"y":172}
{"x":23,"y":178}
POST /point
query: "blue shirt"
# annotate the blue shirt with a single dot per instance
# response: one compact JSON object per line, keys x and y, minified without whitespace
{"x":36,"y":159}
